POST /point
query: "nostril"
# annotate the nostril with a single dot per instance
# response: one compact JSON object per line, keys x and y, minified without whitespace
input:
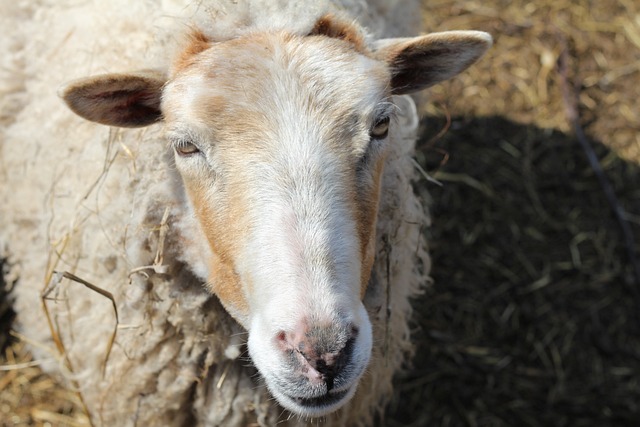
{"x":354,"y":331}
{"x":282,"y":341}
{"x":291,"y":341}
{"x":328,"y":373}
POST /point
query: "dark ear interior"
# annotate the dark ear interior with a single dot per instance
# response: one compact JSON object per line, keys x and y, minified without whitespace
{"x":419,"y":62}
{"x":124,"y":100}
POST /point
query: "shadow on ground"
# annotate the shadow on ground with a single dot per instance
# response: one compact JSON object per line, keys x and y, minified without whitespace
{"x":533,"y":316}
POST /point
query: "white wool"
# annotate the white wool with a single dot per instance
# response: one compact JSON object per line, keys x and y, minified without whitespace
{"x":91,"y":200}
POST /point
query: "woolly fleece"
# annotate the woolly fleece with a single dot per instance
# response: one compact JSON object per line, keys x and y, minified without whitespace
{"x":106,"y":205}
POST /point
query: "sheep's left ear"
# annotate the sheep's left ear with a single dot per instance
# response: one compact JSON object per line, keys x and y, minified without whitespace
{"x":124,"y":100}
{"x":419,"y":62}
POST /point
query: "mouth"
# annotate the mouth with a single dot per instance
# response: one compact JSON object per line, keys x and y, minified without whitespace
{"x":321,"y":402}
{"x":328,"y":399}
{"x":317,"y":406}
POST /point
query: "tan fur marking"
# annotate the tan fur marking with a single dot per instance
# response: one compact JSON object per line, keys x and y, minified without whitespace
{"x":367,"y":217}
{"x":196,"y":42}
{"x":225,"y":283}
{"x":223,"y":280}
{"x":331,"y":26}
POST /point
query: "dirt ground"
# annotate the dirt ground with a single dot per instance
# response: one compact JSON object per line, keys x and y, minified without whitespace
{"x":533,"y":316}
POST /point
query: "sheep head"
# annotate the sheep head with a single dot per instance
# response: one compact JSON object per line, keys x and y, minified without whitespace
{"x":280,"y":141}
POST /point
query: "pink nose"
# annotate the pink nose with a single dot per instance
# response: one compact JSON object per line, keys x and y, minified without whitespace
{"x":321,"y":352}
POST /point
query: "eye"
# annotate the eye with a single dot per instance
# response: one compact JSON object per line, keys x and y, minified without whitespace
{"x":380,"y":128}
{"x":185,"y":148}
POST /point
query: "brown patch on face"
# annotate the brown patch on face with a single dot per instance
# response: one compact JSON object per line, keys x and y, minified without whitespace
{"x":221,"y":233}
{"x":333,"y":27}
{"x":367,"y":218}
{"x":196,"y":42}
{"x":225,"y":283}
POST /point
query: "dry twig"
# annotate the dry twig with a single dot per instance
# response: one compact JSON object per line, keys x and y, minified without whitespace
{"x":569,"y":100}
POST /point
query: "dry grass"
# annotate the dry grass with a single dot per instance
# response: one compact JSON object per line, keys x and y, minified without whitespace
{"x":28,"y":397}
{"x":534,"y":315}
{"x":518,"y":79}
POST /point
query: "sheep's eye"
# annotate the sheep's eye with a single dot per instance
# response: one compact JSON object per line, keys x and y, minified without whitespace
{"x":380,"y":128}
{"x":185,"y":148}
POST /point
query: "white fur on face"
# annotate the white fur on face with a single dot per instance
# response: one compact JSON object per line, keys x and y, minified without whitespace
{"x":278,"y":186}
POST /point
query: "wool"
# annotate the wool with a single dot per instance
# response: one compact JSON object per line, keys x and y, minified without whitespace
{"x":107,"y":205}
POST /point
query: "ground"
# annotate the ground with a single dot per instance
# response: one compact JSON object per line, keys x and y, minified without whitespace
{"x":533,"y":314}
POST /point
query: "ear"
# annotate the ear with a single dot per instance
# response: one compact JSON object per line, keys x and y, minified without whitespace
{"x":124,"y":100}
{"x":419,"y":62}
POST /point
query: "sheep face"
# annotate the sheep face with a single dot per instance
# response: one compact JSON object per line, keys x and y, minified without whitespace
{"x":281,"y":153}
{"x":280,"y":141}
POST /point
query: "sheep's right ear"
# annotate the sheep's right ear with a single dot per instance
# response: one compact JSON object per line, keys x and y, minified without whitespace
{"x":124,"y":100}
{"x":419,"y":62}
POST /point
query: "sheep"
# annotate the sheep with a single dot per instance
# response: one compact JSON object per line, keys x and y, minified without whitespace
{"x":241,"y":243}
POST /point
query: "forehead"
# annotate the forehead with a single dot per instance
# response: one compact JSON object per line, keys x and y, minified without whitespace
{"x":259,"y":78}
